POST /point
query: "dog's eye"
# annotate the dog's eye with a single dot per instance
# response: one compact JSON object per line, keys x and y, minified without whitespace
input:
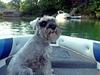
{"x":43,"y":23}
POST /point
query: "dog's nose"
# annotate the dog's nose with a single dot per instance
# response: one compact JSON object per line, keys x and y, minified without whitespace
{"x":52,"y":26}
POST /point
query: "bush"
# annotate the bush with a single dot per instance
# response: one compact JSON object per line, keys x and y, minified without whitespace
{"x":1,"y":14}
{"x":98,"y":14}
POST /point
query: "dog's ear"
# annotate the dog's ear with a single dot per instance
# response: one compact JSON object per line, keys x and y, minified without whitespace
{"x":34,"y":23}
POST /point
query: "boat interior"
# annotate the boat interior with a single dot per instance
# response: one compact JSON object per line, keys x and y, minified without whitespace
{"x":67,"y":62}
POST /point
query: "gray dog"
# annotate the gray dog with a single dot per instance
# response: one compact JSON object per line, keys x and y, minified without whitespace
{"x":34,"y":57}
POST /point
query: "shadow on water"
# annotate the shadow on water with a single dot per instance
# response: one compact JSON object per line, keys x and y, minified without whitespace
{"x":89,"y":29}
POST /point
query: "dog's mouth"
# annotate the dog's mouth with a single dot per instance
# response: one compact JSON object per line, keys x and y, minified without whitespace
{"x":52,"y":35}
{"x":53,"y":32}
{"x":50,"y":31}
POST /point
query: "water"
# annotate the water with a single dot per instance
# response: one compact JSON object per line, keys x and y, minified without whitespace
{"x":89,"y":29}
{"x":15,"y":26}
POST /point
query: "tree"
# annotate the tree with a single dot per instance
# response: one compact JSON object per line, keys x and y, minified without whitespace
{"x":52,"y":6}
{"x":14,"y":4}
{"x":47,"y":6}
{"x":29,"y":7}
{"x":2,"y":5}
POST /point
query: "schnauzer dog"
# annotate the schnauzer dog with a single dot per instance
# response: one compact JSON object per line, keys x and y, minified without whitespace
{"x":34,"y":57}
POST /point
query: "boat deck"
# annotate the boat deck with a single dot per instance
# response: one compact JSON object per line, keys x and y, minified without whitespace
{"x":67,"y":62}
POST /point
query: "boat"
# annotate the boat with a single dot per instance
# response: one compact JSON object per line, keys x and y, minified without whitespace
{"x":71,"y":55}
{"x":62,"y":16}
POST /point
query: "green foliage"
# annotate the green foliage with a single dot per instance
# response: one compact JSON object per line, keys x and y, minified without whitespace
{"x":90,"y":8}
{"x":39,"y":7}
{"x":29,"y":7}
{"x":98,"y":14}
{"x":14,"y":4}
{"x":26,"y":6}
{"x":47,"y":6}
{"x":52,"y":6}
{"x":43,"y":6}
{"x":92,"y":5}
{"x":2,"y":5}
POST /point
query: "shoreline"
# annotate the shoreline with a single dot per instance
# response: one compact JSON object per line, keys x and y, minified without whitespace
{"x":33,"y":17}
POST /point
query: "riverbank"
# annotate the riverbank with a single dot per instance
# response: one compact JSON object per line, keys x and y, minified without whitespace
{"x":31,"y":17}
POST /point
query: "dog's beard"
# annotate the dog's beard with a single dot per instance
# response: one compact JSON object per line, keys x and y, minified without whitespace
{"x":50,"y":35}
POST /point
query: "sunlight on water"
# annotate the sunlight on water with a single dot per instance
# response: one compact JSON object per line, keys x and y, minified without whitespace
{"x":14,"y":28}
{"x":5,"y":28}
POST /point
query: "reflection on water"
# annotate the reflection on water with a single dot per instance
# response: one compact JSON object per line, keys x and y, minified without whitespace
{"x":89,"y":29}
{"x":76,"y":28}
{"x":15,"y":27}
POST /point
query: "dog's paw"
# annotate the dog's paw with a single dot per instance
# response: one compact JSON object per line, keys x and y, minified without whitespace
{"x":52,"y":70}
{"x":50,"y":74}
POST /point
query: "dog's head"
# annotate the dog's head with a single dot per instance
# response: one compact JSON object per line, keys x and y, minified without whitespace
{"x":46,"y":28}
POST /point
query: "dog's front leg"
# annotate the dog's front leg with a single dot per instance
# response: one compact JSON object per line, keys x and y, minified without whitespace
{"x":47,"y":70}
{"x":26,"y":71}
